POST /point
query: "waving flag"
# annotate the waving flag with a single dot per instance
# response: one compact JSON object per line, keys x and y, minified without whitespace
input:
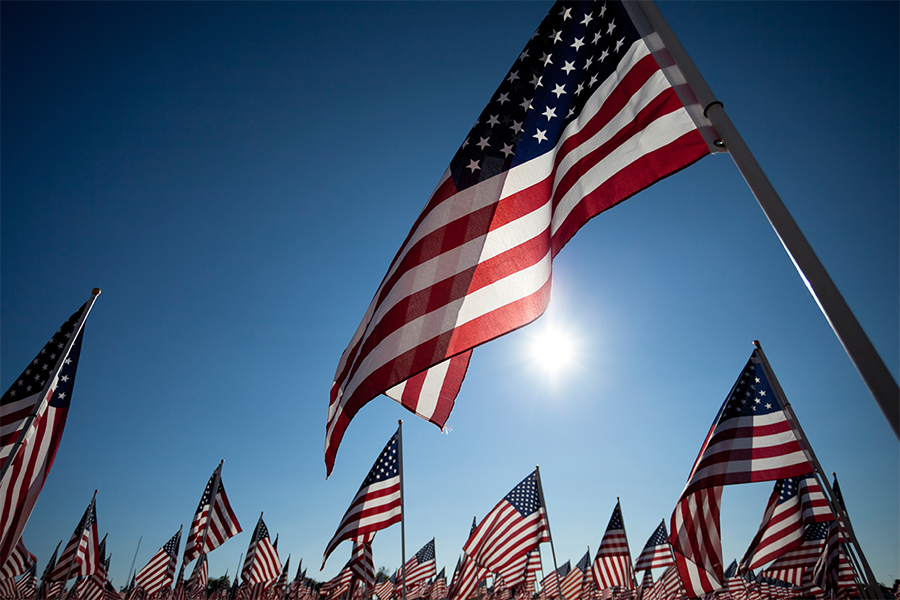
{"x":18,"y":562}
{"x":751,"y":439}
{"x":214,"y":522}
{"x":573,"y":583}
{"x":160,"y":569}
{"x":656,"y":553}
{"x":791,"y":566}
{"x":551,"y":583}
{"x":34,"y":413}
{"x":421,"y":566}
{"x":81,"y":555}
{"x":584,"y":119}
{"x":377,"y":502}
{"x":612,"y":565}
{"x":262,"y":563}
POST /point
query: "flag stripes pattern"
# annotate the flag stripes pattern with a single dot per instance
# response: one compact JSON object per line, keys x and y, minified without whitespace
{"x":81,"y":554}
{"x":573,"y":583}
{"x":160,"y":569}
{"x":262,"y":563}
{"x":657,"y":553}
{"x":695,"y":534}
{"x":825,"y":571}
{"x":214,"y":521}
{"x":377,"y":503}
{"x":551,"y":583}
{"x":543,"y":158}
{"x":421,"y":566}
{"x":362,"y":564}
{"x":18,"y":562}
{"x":612,"y":565}
{"x":791,"y":566}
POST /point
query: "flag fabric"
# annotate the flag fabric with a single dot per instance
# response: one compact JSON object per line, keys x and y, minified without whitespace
{"x":362,"y":564}
{"x":825,"y":571}
{"x":214,"y":521}
{"x":44,"y":389}
{"x":568,"y":134}
{"x":532,"y":568}
{"x":385,"y":589}
{"x":26,"y":587}
{"x":515,"y":526}
{"x":160,"y":569}
{"x":795,"y":502}
{"x":178,"y":592}
{"x":421,"y":566}
{"x":751,"y":439}
{"x":573,"y":583}
{"x":657,"y":553}
{"x":19,"y":561}
{"x":81,"y":555}
{"x":199,"y":578}
{"x":262,"y":563}
{"x":94,"y":586}
{"x":439,"y":589}
{"x":646,"y":584}
{"x":377,"y":503}
{"x":791,"y":566}
{"x":281,"y":581}
{"x":550,"y":584}
{"x":612,"y":565}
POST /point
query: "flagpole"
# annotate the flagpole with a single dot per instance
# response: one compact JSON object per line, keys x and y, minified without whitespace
{"x":627,"y":546}
{"x":133,"y":560}
{"x":402,"y":511}
{"x":849,"y":332}
{"x":80,"y":535}
{"x":871,"y":583}
{"x":839,"y":500}
{"x":212,"y":502}
{"x":38,"y":406}
{"x":537,"y":471}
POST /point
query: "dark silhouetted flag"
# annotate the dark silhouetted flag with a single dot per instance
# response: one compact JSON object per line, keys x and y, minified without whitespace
{"x":160,"y":569}
{"x":214,"y":521}
{"x":612,"y":565}
{"x":377,"y":503}
{"x":584,"y":119}
{"x":657,"y":553}
{"x":81,"y":555}
{"x":26,"y":587}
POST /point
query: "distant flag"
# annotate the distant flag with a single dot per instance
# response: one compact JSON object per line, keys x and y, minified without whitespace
{"x":439,"y":589}
{"x":532,"y":568}
{"x":81,"y":555}
{"x":95,"y":584}
{"x":612,"y":565}
{"x":44,"y":586}
{"x":557,"y":145}
{"x":825,"y":571}
{"x":791,"y":566}
{"x":34,"y":411}
{"x":19,"y":561}
{"x":550,"y":583}
{"x":160,"y":569}
{"x":26,"y":587}
{"x":646,"y":584}
{"x":657,"y":552}
{"x":385,"y":589}
{"x":378,"y":501}
{"x":199,"y":578}
{"x":262,"y":563}
{"x":421,"y":566}
{"x":214,"y":522}
{"x":281,"y":581}
{"x":515,"y":526}
{"x":573,"y":583}
{"x":751,"y":417}
{"x":178,"y":592}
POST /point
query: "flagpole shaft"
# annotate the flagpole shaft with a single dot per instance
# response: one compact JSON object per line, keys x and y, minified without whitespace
{"x":134,"y":560}
{"x":540,"y":487}
{"x":874,"y":590}
{"x":402,"y":512}
{"x":846,"y":327}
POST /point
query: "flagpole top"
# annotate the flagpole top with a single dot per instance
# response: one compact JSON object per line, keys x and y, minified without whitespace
{"x":757,"y":344}
{"x":95,"y":291}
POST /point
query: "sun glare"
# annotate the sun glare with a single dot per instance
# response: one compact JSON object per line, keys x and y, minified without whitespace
{"x":554,"y":350}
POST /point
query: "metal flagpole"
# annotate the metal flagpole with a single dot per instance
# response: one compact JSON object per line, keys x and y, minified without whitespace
{"x":872,"y":585}
{"x":38,"y":406}
{"x":537,"y":471}
{"x":849,"y":332}
{"x":134,"y":560}
{"x":402,"y":511}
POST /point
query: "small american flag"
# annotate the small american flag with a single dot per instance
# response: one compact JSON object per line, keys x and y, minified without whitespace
{"x":377,"y":503}
{"x":825,"y":571}
{"x":421,"y":566}
{"x":81,"y":555}
{"x":214,"y":521}
{"x":573,"y":583}
{"x":262,"y":563}
{"x":439,"y":589}
{"x":612,"y":565}
{"x":657,"y":553}
{"x":19,"y":561}
{"x":26,"y":587}
{"x":550,"y":583}
{"x":791,"y":566}
{"x":160,"y":569}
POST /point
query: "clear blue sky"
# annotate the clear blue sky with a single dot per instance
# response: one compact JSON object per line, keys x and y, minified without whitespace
{"x":237,"y":177}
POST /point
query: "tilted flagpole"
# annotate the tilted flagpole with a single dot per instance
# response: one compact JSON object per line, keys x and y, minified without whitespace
{"x":849,"y":332}
{"x":402,"y":511}
{"x":537,"y":470}
{"x":873,"y":590}
{"x":134,"y":560}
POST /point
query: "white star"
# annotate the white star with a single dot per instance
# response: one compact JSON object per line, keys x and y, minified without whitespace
{"x":619,"y":44}
{"x":549,"y":113}
{"x":756,"y":379}
{"x":593,"y":80}
{"x":603,"y":11}
{"x":536,"y":81}
{"x":494,"y":120}
{"x":757,"y":400}
{"x":559,"y":90}
{"x":541,"y":136}
{"x":62,"y":396}
{"x":566,"y":14}
{"x":517,"y":126}
{"x":526,"y":104}
{"x":570,"y":113}
{"x":768,"y":405}
{"x":64,"y":378}
{"x":587,"y":19}
{"x":483,"y":143}
{"x":762,"y":392}
{"x":503,"y":98}
{"x":568,"y":68}
{"x":507,"y":150}
{"x":546,"y":59}
{"x":596,"y":38}
{"x":579,"y":89}
{"x":513,"y":75}
{"x":604,"y":55}
{"x":555,"y":36}
{"x":588,"y":62}
{"x":473,"y":166}
{"x":524,"y":55}
{"x":612,"y":25}
{"x":578,"y":43}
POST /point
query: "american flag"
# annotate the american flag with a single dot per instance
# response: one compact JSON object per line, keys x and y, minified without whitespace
{"x":385,"y":589}
{"x":515,"y":526}
{"x":278,"y":588}
{"x":81,"y":555}
{"x":95,"y":585}
{"x":18,"y":562}
{"x":791,"y":566}
{"x":339,"y":584}
{"x":612,"y":565}
{"x":262,"y":563}
{"x":44,"y":391}
{"x":160,"y":569}
{"x":378,"y":502}
{"x":646,"y":585}
{"x":795,"y":502}
{"x":825,"y":571}
{"x":178,"y":592}
{"x":572,"y":584}
{"x":196,"y":586}
{"x":439,"y":589}
{"x":26,"y":587}
{"x":751,"y":439}
{"x":657,"y":553}
{"x":466,"y":579}
{"x":421,"y":566}
{"x":361,"y":561}
{"x":584,"y":119}
{"x":550,"y":584}
{"x":214,"y":521}
{"x":532,"y":568}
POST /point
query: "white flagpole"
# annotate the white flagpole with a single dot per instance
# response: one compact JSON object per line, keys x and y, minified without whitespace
{"x":849,"y":332}
{"x":402,"y":512}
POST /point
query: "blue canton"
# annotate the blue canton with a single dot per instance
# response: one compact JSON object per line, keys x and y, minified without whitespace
{"x":751,"y":395}
{"x":387,"y":465}
{"x":524,"y":497}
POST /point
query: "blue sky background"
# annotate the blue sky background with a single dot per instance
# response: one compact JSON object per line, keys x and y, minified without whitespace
{"x":237,"y":177}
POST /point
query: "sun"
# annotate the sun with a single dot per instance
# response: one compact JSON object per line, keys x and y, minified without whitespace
{"x":553,"y":349}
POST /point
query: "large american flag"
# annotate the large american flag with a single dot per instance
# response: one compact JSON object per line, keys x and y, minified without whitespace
{"x":515,"y":526}
{"x":378,"y":501}
{"x":262,"y":563}
{"x":34,"y":411}
{"x":214,"y":522}
{"x":81,"y":555}
{"x":612,"y":565}
{"x":421,"y":566}
{"x":656,"y":553}
{"x":584,"y":119}
{"x":160,"y":569}
{"x":751,"y":439}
